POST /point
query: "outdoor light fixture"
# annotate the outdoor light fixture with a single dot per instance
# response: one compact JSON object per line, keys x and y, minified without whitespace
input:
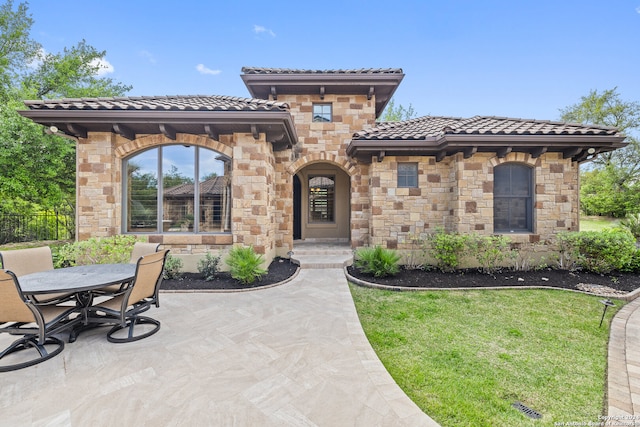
{"x":607,"y":303}
{"x":591,"y":150}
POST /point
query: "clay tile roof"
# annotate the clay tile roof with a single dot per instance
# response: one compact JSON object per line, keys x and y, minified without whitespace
{"x":209,"y":187}
{"x":160,"y":103}
{"x":263,"y":70}
{"x":430,"y":127}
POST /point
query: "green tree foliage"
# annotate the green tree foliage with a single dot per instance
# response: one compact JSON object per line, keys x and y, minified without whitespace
{"x":37,"y":171}
{"x":397,"y":114}
{"x":611,"y":183}
{"x":173,"y":177}
{"x":72,"y":74}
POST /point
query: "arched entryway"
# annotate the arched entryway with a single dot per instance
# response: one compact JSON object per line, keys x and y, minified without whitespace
{"x":321,"y":203}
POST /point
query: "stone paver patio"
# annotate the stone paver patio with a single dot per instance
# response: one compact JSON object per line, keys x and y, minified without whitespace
{"x":289,"y":355}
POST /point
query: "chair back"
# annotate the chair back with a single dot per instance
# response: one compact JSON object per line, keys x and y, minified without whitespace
{"x":13,"y":307}
{"x":148,"y":277}
{"x":141,"y":249}
{"x":27,"y":261}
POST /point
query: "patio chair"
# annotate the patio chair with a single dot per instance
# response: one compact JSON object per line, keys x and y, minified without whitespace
{"x":33,"y":260}
{"x":36,"y":323}
{"x":124,"y":309}
{"x":141,"y":249}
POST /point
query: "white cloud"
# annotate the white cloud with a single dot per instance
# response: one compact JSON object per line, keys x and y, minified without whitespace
{"x":638,"y":9}
{"x":259,"y":29}
{"x":105,"y":66}
{"x":37,"y":59}
{"x":148,"y":55}
{"x":204,"y":70}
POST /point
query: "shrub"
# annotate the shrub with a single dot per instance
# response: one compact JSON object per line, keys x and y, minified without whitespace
{"x":245,"y":264}
{"x":416,"y":256}
{"x":208,"y":266}
{"x":172,"y":267}
{"x":632,"y":223}
{"x":446,"y":248}
{"x":598,"y":251}
{"x":489,"y":251}
{"x":105,"y":250}
{"x":633,"y":266}
{"x":377,"y":261}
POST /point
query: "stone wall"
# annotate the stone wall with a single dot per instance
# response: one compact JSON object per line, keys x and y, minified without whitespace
{"x":327,"y":143}
{"x":457,"y":195}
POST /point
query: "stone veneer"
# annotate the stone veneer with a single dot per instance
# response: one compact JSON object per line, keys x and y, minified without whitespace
{"x":455,"y":193}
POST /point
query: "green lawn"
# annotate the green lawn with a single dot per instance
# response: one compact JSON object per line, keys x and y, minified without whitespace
{"x":465,"y":357}
{"x":597,"y":223}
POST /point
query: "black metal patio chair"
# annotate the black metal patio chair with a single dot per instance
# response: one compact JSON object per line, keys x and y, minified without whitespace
{"x":33,"y":260}
{"x":36,"y":323}
{"x":124,"y":309}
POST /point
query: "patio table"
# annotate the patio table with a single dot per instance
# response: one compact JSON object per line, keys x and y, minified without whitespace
{"x":81,"y":280}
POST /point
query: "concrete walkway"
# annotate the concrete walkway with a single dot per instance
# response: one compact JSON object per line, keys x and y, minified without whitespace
{"x":623,"y":376}
{"x":291,"y":355}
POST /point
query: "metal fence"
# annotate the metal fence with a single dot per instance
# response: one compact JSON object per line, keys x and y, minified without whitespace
{"x":43,"y":226}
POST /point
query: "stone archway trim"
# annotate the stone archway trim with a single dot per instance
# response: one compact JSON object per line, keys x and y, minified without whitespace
{"x":325,"y":157}
{"x":514,"y":157}
{"x":149,"y":141}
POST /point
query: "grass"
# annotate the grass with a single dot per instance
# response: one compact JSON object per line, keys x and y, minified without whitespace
{"x":597,"y":223}
{"x":465,"y":357}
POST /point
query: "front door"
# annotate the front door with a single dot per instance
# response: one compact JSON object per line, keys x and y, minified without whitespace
{"x":322,"y":206}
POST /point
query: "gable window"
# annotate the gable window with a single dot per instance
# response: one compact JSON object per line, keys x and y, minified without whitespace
{"x":512,"y":198}
{"x":177,"y":188}
{"x":322,"y":113}
{"x":407,"y":175}
{"x":321,"y":199}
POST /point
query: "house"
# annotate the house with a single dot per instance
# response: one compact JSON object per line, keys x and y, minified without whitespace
{"x":304,"y":158}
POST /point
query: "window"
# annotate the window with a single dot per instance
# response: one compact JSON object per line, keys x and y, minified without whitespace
{"x":322,"y":113}
{"x":512,"y":198}
{"x":321,"y":198}
{"x":407,"y":175}
{"x":177,"y":188}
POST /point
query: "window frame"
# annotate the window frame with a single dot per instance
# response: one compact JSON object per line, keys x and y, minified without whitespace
{"x":405,"y":176}
{"x":330,"y":202}
{"x":160,"y":170}
{"x":511,"y":198}
{"x":322,"y":113}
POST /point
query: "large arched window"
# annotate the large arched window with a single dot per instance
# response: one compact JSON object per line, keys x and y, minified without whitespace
{"x":512,"y":198}
{"x":192,"y":196}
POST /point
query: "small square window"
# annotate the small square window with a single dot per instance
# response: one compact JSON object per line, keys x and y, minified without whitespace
{"x":408,"y":175}
{"x":322,"y":113}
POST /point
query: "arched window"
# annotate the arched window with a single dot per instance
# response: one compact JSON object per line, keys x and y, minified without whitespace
{"x":512,"y":198}
{"x":192,"y":196}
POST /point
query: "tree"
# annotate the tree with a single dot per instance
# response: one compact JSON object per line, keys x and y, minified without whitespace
{"x":38,"y":170}
{"x":393,"y":114}
{"x":611,"y":183}
{"x":16,"y":47}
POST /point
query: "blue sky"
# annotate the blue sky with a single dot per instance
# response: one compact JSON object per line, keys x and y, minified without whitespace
{"x":525,"y":59}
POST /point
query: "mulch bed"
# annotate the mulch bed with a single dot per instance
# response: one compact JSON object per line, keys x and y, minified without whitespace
{"x":615,"y":283}
{"x":279,"y":270}
{"x":282,"y":269}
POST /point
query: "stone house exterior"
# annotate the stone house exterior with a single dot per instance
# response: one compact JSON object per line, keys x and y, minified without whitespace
{"x":304,"y":159}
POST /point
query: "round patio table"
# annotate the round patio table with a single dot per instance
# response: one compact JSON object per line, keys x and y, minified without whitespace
{"x":81,"y":278}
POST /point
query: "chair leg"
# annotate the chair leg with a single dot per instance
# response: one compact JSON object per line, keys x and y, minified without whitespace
{"x":31,"y":342}
{"x":130,"y":326}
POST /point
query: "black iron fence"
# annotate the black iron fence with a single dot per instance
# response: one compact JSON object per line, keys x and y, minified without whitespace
{"x":42,"y":226}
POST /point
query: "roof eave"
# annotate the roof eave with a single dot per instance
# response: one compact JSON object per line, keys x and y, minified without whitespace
{"x":382,"y":85}
{"x":77,"y":122}
{"x":576,"y":147}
